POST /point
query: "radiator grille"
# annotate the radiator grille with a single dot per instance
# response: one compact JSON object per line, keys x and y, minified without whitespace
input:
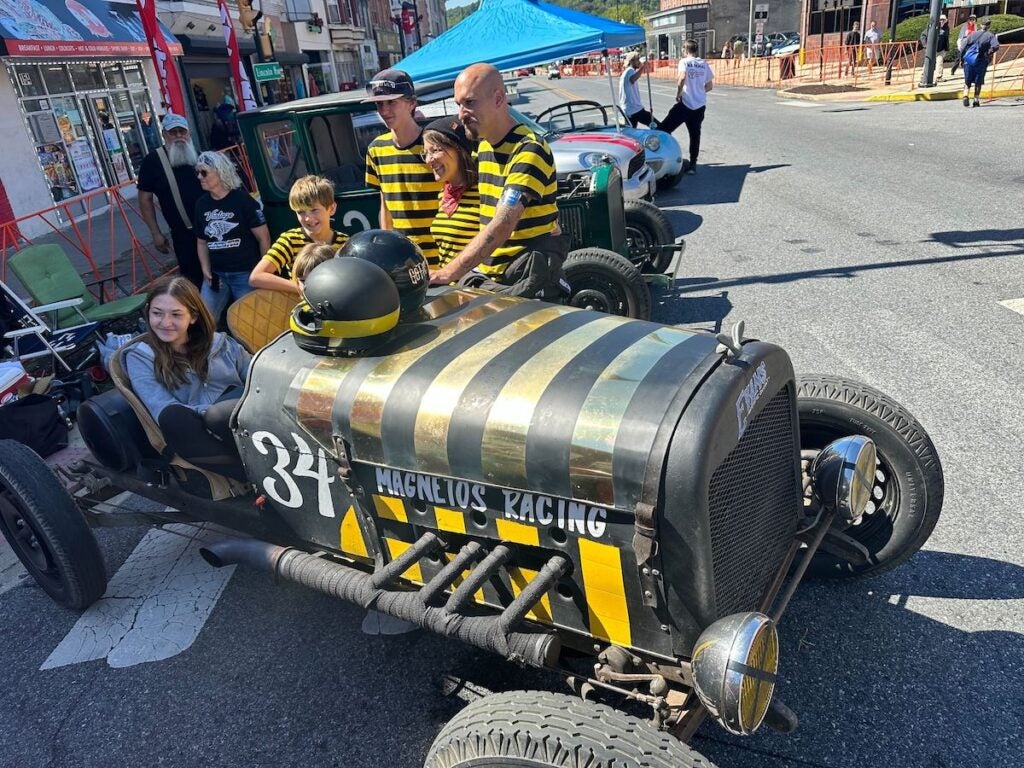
{"x":571,"y":221}
{"x":636,"y":163}
{"x":753,"y":503}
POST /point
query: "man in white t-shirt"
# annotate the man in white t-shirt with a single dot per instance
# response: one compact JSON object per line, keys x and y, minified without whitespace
{"x":692,"y":86}
{"x":629,"y":91}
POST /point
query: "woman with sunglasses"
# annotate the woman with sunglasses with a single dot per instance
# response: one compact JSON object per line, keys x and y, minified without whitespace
{"x":231,"y":232}
{"x":448,"y":151}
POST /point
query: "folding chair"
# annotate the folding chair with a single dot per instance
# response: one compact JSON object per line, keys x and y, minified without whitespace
{"x":49,"y":277}
{"x":30,"y":337}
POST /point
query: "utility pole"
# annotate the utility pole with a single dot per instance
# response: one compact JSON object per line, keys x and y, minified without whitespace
{"x":750,"y":30}
{"x":894,"y":16}
{"x":928,"y":70}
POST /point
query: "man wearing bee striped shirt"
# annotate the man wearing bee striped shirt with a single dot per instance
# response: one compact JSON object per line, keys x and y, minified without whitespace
{"x":520,"y":249}
{"x":395,"y":164}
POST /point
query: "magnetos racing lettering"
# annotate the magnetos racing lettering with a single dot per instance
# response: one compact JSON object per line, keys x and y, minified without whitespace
{"x":530,"y":508}
{"x":749,"y":396}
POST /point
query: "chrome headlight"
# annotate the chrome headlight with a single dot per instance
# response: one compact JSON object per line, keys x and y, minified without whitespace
{"x":590,"y":159}
{"x":652,"y":142}
{"x":735,"y":662}
{"x":843,"y":474}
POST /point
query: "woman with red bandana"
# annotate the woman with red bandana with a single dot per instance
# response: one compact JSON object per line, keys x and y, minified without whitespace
{"x":448,"y":151}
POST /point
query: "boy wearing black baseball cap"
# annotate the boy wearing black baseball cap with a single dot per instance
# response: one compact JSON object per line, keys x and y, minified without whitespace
{"x":395,"y":165}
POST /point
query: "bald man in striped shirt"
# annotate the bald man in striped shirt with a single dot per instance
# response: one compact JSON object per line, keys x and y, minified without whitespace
{"x":520,"y":249}
{"x":395,"y":164}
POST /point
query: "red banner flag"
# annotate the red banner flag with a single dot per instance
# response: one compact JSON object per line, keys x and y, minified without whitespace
{"x":246,"y":98}
{"x":170,"y":85}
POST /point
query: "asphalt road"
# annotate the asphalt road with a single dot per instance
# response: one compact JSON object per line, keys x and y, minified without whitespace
{"x":871,"y":241}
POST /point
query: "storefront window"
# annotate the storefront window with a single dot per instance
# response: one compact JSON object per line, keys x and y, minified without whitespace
{"x":56,"y":78}
{"x":134,"y":74}
{"x":87,"y":77}
{"x":91,"y":123}
{"x":28,"y":80}
{"x":114,"y":76}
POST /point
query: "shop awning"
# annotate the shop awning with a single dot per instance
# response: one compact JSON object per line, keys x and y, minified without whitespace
{"x":74,"y":28}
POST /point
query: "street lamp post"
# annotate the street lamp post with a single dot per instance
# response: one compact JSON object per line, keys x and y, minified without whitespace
{"x":750,"y":29}
{"x":928,"y":70}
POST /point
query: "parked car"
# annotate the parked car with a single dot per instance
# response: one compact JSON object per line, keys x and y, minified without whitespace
{"x":788,"y":45}
{"x":554,"y":71}
{"x":663,"y":153}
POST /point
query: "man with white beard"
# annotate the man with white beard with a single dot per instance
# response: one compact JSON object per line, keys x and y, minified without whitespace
{"x":169,"y":172}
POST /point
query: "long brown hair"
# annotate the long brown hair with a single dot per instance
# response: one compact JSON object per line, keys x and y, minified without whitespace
{"x":172,"y":367}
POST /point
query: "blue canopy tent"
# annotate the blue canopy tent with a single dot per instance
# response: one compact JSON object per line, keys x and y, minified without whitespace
{"x":516,"y":33}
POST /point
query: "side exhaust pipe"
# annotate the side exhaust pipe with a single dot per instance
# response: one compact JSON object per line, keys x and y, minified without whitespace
{"x":491,"y":633}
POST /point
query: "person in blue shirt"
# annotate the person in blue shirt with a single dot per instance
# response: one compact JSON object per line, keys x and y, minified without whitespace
{"x":189,"y":376}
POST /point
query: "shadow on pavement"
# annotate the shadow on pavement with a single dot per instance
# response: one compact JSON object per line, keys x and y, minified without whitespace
{"x":963,"y":238}
{"x":878,"y":677}
{"x":683,"y":222}
{"x":670,"y":306}
{"x":715,"y":184}
{"x":849,"y":272}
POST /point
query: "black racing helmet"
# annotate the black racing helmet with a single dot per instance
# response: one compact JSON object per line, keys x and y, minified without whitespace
{"x":351,"y":305}
{"x":397,"y":255}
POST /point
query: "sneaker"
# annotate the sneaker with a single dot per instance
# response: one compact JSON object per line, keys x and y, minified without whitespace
{"x":967,"y":101}
{"x":691,"y":169}
{"x":975,"y":104}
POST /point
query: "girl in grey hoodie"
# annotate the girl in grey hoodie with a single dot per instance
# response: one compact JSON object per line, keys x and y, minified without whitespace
{"x":189,"y":377}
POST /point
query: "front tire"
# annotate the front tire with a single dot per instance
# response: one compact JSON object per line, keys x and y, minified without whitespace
{"x":647,"y":228}
{"x":909,"y":486}
{"x":524,"y":729}
{"x":47,"y":532}
{"x":606,"y":282}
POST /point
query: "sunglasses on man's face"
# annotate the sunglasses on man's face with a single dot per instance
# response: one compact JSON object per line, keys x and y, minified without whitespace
{"x":202,"y":173}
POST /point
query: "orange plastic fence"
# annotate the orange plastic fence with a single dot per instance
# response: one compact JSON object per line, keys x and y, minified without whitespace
{"x":876,"y":66}
{"x":102,"y":232}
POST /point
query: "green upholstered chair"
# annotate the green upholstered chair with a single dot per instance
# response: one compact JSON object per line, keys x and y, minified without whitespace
{"x":48,"y":275}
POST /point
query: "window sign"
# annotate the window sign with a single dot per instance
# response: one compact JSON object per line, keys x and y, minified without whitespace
{"x":57,"y":169}
{"x":44,"y":128}
{"x":88,"y":174}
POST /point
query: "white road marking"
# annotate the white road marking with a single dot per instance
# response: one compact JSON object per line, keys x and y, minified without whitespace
{"x":798,"y":104}
{"x":1017,"y":305}
{"x":155,"y":605}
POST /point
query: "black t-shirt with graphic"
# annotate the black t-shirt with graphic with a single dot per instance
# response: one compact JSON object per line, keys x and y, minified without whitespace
{"x":153,"y":179}
{"x":226,"y":225}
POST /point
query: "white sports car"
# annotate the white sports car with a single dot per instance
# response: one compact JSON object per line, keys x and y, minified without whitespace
{"x":663,"y":153}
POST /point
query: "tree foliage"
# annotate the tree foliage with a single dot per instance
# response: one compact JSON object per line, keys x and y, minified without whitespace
{"x":631,"y":12}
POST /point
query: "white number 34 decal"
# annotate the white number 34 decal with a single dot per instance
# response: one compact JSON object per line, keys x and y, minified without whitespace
{"x":283,"y":488}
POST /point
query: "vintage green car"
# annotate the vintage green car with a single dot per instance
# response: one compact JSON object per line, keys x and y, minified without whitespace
{"x":614,"y":241}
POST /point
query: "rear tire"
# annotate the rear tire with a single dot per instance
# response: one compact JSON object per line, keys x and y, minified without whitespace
{"x":648,"y":227}
{"x":909,"y":485}
{"x":526,"y":729}
{"x":606,"y":282}
{"x":46,"y":530}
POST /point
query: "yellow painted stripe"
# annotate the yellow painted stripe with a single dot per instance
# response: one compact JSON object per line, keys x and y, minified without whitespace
{"x":350,"y":536}
{"x":368,"y":405}
{"x":449,"y":520}
{"x":520,"y":577}
{"x":601,"y":415}
{"x":441,"y":399}
{"x":605,"y":592}
{"x":478,"y":596}
{"x":390,"y":508}
{"x":510,"y":530}
{"x":396,"y":548}
{"x":503,"y":448}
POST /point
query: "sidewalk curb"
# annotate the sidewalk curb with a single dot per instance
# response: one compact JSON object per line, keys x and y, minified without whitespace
{"x":942,"y":96}
{"x":853,"y":96}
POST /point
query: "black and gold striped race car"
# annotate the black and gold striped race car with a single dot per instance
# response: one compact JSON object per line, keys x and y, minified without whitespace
{"x":627,"y":503}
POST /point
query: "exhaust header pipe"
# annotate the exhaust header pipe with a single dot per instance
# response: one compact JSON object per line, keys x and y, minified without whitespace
{"x":491,"y":633}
